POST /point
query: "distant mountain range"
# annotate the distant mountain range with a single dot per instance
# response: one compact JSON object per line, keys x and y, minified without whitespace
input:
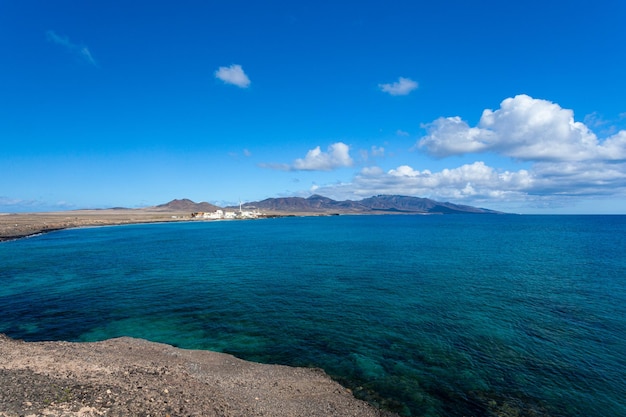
{"x":378,"y":204}
{"x":389,"y":204}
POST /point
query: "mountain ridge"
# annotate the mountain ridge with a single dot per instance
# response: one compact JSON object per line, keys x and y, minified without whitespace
{"x":379,"y":204}
{"x":186,"y":204}
{"x":391,"y":204}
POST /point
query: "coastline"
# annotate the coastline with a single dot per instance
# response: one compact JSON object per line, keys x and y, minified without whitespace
{"x":127,"y":376}
{"x":21,"y":225}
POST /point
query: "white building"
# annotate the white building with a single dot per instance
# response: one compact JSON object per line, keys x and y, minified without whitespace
{"x":227,"y":215}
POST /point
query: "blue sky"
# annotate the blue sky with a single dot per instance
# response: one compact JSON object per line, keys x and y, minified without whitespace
{"x":517,"y":106}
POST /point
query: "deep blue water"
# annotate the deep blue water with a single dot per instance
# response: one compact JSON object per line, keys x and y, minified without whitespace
{"x":454,"y":315}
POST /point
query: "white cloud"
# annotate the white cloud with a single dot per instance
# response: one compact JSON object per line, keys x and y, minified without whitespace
{"x":467,"y":183}
{"x":80,"y":51}
{"x":451,"y":136}
{"x":233,"y":75}
{"x":337,"y":156}
{"x":470,"y":180}
{"x":526,"y":129}
{"x":400,"y":132}
{"x":549,"y":184}
{"x":588,"y":178}
{"x":402,"y":87}
{"x":566,"y":157}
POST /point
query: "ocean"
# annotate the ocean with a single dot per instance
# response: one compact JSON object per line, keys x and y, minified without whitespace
{"x":441,"y":315}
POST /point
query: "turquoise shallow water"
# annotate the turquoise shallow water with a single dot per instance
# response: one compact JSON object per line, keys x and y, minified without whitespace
{"x":453,"y":315}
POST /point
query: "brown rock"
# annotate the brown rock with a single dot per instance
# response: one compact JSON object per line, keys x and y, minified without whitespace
{"x":132,"y":377}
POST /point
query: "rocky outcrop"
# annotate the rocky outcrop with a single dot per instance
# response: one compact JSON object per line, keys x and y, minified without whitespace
{"x":132,"y":377}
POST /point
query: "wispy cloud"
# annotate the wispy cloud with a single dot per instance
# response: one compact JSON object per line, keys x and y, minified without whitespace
{"x":378,"y":151}
{"x":80,"y":51}
{"x":233,"y":75}
{"x":402,"y":87}
{"x":8,"y":201}
{"x":374,"y":152}
{"x":337,"y":156}
{"x":244,"y":152}
{"x":602,"y":126}
{"x":16,"y":205}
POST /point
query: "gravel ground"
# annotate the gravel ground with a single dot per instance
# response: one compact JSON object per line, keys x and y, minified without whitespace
{"x":134,"y":377}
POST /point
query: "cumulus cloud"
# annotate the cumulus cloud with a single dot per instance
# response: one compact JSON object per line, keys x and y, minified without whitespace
{"x":470,"y":179}
{"x":547,"y":183}
{"x":233,"y":75}
{"x":337,"y":156}
{"x":81,"y":51}
{"x":526,"y":129}
{"x":467,"y":183}
{"x":566,"y":157}
{"x":402,"y":87}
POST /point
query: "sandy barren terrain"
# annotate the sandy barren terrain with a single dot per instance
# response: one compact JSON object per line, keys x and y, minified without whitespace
{"x":13,"y":226}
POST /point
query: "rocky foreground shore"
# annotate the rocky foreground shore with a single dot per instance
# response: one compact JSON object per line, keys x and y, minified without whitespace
{"x":134,"y":377}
